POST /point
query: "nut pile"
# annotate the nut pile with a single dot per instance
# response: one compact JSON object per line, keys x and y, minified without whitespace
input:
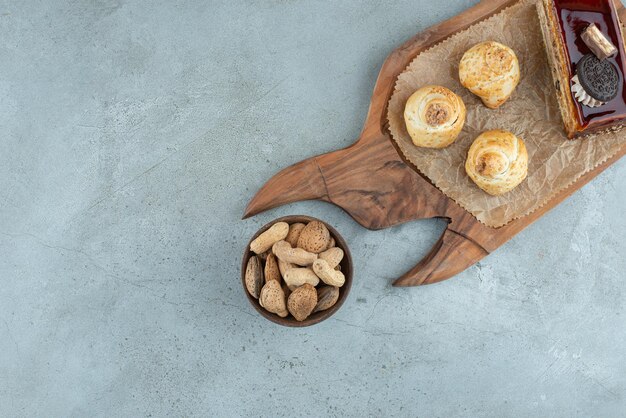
{"x":295,"y":270}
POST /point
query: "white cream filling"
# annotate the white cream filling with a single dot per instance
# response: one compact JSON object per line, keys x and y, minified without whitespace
{"x":582,"y":96}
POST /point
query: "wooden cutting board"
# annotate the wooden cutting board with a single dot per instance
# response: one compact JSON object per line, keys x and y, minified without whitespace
{"x":373,"y":183}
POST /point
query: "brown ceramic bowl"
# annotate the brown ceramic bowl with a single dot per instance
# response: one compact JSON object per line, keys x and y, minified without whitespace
{"x":346,"y":269}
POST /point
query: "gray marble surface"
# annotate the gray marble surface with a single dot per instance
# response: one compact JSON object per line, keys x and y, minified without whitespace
{"x":133,"y":135}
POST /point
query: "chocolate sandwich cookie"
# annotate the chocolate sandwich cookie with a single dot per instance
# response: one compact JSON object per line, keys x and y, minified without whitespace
{"x":599,"y":79}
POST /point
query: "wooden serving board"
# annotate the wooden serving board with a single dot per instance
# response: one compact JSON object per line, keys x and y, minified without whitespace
{"x":373,"y":183}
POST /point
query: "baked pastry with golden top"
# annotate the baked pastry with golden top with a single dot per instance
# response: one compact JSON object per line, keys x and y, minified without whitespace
{"x":490,"y":70}
{"x":497,"y":162}
{"x":434,"y":117}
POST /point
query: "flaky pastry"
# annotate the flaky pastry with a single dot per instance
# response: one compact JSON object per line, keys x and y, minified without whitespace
{"x":497,"y":162}
{"x":491,"y":71}
{"x":434,"y":117}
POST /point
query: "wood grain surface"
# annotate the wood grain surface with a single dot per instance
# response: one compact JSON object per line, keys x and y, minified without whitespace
{"x":378,"y":188}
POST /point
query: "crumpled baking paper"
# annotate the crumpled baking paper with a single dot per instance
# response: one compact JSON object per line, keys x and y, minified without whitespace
{"x":532,"y":113}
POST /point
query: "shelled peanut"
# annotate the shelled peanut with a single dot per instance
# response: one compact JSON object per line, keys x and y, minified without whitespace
{"x":295,"y":269}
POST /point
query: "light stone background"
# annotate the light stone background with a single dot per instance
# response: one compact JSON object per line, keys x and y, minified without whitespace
{"x":133,"y":135}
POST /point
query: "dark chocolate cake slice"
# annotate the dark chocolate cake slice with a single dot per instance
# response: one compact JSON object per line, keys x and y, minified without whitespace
{"x":585,"y":50}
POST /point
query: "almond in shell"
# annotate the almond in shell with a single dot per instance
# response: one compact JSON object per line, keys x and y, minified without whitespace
{"x":294,"y":233}
{"x":302,"y":301}
{"x":272,"y":271}
{"x":254,"y":276}
{"x":314,"y":238}
{"x":273,"y":299}
{"x":327,"y":296}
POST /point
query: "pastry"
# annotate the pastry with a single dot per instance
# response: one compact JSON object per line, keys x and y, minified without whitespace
{"x":490,"y":70}
{"x":497,"y":162}
{"x":585,"y":49}
{"x":434,"y":117}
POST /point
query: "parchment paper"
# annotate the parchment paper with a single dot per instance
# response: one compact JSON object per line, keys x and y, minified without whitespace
{"x":532,"y":113}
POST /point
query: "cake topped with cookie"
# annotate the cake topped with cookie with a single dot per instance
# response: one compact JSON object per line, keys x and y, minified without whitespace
{"x":585,"y":48}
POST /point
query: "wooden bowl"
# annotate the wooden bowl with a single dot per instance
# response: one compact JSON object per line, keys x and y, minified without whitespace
{"x":314,"y":318}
